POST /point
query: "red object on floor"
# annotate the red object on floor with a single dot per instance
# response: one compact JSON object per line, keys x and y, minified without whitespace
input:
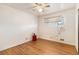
{"x":34,"y":37}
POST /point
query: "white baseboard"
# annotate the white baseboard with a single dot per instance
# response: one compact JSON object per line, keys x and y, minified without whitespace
{"x":10,"y":46}
{"x":58,"y":41}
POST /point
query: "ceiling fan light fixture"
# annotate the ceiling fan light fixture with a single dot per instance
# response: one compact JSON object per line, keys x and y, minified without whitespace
{"x":40,"y":6}
{"x":40,"y":10}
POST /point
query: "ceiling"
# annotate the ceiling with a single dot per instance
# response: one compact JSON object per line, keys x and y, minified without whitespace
{"x":54,"y":7}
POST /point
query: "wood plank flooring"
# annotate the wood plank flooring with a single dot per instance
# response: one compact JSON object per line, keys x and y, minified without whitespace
{"x":41,"y":47}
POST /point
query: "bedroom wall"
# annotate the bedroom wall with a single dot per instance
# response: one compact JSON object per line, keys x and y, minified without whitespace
{"x":76,"y":25}
{"x":16,"y":27}
{"x":49,"y":32}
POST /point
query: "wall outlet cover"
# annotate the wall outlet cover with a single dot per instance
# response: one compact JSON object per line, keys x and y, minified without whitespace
{"x":62,"y":39}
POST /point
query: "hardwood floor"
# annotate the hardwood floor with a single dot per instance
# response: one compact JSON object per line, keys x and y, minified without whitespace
{"x":41,"y":47}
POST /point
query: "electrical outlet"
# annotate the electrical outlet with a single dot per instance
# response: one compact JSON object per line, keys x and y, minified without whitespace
{"x":62,"y":39}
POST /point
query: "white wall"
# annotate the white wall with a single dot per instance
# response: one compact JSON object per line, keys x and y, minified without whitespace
{"x":16,"y":27}
{"x":76,"y":26}
{"x":49,"y":32}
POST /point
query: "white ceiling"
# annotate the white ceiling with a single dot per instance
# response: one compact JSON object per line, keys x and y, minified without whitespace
{"x":54,"y":7}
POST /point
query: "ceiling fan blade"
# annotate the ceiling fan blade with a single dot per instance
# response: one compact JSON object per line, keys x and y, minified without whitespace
{"x":48,"y":6}
{"x":36,"y":6}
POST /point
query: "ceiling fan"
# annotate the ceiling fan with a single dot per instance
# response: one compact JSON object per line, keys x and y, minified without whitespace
{"x":40,"y":6}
